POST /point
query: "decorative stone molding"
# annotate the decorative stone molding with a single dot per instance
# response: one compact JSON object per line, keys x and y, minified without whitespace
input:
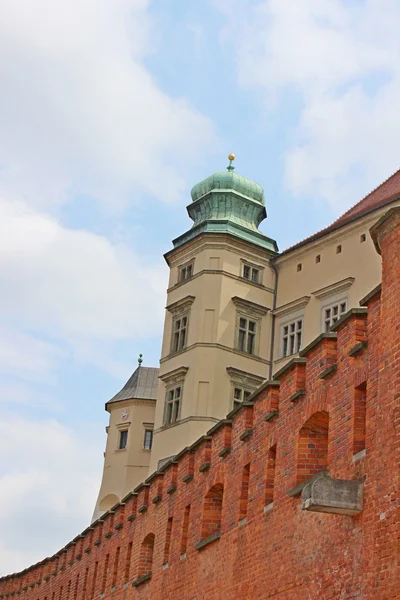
{"x":175,"y":376}
{"x":244,"y":378}
{"x":291,"y":307}
{"x":250,"y":309}
{"x":334,"y":288}
{"x":181,"y":306}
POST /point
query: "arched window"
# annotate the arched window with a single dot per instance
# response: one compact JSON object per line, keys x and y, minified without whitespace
{"x":146,"y":556}
{"x":212,"y":511}
{"x":312,"y":449}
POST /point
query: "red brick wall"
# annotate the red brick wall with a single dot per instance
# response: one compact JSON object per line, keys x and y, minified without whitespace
{"x":345,"y":420}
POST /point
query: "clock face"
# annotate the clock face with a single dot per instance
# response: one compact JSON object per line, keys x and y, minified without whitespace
{"x":124,"y":415}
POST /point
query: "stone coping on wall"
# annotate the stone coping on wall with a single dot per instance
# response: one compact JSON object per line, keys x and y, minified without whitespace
{"x":229,"y":421}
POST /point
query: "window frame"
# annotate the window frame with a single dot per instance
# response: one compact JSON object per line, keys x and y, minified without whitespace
{"x":148,"y":429}
{"x":176,"y":337}
{"x":244,"y":394}
{"x":329,"y":304}
{"x":285,"y":338}
{"x":245,"y":264}
{"x":175,"y":413}
{"x":183,"y":271}
{"x":247,"y":334}
{"x":121,"y":431}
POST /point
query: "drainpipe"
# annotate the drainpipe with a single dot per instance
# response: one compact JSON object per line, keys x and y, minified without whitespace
{"x":271,"y":353}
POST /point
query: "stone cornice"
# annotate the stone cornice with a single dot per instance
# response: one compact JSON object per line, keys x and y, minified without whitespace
{"x":176,"y":375}
{"x":334,"y":288}
{"x":226,"y":274}
{"x":250,"y":307}
{"x":291,"y":307}
{"x":180,"y":305}
{"x":214,"y":345}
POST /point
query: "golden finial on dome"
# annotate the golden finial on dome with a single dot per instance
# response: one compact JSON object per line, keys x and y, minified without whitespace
{"x":231,"y":157}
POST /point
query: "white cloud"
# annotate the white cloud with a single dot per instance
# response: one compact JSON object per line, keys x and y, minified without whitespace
{"x":47,"y":488}
{"x":339,"y":62}
{"x":73,"y":286}
{"x":79,"y":112}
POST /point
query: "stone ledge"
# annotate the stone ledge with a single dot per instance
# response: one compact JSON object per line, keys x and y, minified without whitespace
{"x":204,"y":467}
{"x":328,"y":371}
{"x":350,"y":313}
{"x":271,"y":415}
{"x":292,"y":363}
{"x":296,"y":491}
{"x":246,"y":434}
{"x":294,"y":397}
{"x":143,"y":508}
{"x":142,"y":579}
{"x":157,"y":499}
{"x":119,"y":526}
{"x":131,"y":518}
{"x":224,"y":452}
{"x":207,"y":541}
{"x":357,"y":348}
{"x":188,"y":478}
{"x":171,"y":489}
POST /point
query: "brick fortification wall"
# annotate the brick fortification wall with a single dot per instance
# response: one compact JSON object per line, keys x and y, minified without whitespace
{"x":225,"y":519}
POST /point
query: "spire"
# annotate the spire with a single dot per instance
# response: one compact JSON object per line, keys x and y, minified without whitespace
{"x":140,"y":360}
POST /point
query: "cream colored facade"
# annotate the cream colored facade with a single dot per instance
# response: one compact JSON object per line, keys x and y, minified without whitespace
{"x":316,"y":283}
{"x":210,"y":366}
{"x":341,"y":266}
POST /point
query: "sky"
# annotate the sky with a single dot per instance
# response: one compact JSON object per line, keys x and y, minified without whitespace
{"x":109,"y":113}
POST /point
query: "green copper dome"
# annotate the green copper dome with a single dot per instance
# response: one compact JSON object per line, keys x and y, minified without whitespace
{"x":228,"y":180}
{"x":228,"y":203}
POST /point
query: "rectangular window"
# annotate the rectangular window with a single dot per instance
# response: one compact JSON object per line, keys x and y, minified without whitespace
{"x":185,"y":272}
{"x":179,"y":334}
{"x":148,"y":439}
{"x":251,"y":273}
{"x":240,"y":395}
{"x":332,"y":313}
{"x":292,"y":334}
{"x":247,"y":335}
{"x":173,"y":405}
{"x":123,"y":439}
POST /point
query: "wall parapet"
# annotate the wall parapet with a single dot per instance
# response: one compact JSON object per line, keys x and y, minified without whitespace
{"x":191,"y":527}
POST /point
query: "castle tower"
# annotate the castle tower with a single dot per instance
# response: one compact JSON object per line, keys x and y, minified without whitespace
{"x":216,"y":340}
{"x":129,"y":437}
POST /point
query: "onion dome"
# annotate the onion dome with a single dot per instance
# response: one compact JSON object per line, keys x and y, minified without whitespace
{"x":227,"y":202}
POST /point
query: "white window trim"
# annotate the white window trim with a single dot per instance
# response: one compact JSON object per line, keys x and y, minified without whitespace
{"x":172,"y":380}
{"x":147,"y":427}
{"x":122,"y":427}
{"x":243,"y":380}
{"x":185,"y":266}
{"x":329,"y":302}
{"x":252,"y":312}
{"x":283,"y":322}
{"x":179,"y":310}
{"x":260,"y":269}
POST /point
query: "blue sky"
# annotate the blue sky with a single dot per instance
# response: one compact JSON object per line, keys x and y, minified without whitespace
{"x":109,"y":114}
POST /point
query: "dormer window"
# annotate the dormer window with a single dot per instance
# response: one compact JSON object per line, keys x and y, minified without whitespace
{"x":185,"y":272}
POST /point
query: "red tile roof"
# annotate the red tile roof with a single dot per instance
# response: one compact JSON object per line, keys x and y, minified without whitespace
{"x":386,"y":192}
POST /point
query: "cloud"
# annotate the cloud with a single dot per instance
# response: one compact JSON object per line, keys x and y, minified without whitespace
{"x":336,"y":64}
{"x":80,"y":113}
{"x":74,"y":287}
{"x":47,"y":488}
